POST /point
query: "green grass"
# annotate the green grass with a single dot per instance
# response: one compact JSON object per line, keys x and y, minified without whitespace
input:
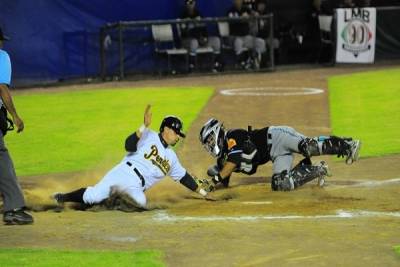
{"x":397,"y":249}
{"x":51,"y":258}
{"x":80,"y":130}
{"x":367,"y":106}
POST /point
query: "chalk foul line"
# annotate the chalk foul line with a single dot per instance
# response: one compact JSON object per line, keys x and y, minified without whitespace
{"x":271,"y":91}
{"x":163,"y":216}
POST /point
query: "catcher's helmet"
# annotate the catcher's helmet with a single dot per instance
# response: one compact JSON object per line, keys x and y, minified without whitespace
{"x":212,"y":137}
{"x":174,"y":123}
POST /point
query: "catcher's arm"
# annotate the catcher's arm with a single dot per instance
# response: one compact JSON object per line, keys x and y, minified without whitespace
{"x":201,"y":186}
{"x":226,"y":171}
{"x":132,"y":140}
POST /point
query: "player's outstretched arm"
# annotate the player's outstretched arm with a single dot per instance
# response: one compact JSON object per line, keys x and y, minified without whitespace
{"x":226,"y":172}
{"x":146,"y":121}
{"x":133,"y":139}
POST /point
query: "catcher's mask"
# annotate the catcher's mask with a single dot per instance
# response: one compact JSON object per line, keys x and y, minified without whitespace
{"x":212,"y":137}
{"x":174,"y":123}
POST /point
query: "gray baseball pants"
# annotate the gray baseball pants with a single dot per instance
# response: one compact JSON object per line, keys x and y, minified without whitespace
{"x":284,"y":142}
{"x":192,"y":44}
{"x":248,"y":42}
{"x":9,"y":186}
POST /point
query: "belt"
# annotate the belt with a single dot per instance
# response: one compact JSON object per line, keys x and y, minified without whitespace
{"x":137,"y":173}
{"x":269,"y":139}
{"x":269,"y":144}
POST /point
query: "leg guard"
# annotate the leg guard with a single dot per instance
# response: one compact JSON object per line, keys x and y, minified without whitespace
{"x":305,"y":172}
{"x":323,"y":145}
{"x":282,"y":182}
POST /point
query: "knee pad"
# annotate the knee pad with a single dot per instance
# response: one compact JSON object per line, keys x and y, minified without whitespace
{"x":282,"y":182}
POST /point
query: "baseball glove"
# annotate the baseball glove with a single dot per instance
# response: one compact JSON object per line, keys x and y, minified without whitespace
{"x":204,"y":186}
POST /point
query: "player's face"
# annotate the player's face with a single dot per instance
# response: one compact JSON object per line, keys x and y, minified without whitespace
{"x":191,"y":5}
{"x":238,"y":3}
{"x":170,"y":136}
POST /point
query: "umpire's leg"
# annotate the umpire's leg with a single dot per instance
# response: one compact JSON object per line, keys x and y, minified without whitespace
{"x":9,"y":187}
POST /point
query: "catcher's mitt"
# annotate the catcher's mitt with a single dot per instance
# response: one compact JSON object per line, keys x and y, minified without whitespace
{"x":204,"y":186}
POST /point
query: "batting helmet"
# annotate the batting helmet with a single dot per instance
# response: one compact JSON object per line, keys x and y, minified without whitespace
{"x":174,"y":123}
{"x":212,"y":137}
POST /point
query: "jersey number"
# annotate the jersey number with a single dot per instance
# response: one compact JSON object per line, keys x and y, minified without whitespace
{"x":246,"y":167}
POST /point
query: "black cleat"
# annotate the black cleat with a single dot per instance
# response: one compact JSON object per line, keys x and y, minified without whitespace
{"x":324,"y":172}
{"x":17,"y":217}
{"x":354,"y":151}
{"x":59,"y":198}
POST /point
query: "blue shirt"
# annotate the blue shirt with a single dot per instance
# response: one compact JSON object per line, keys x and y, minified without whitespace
{"x":5,"y":70}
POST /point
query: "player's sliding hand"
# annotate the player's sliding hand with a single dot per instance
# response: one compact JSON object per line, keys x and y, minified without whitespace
{"x":147,"y":116}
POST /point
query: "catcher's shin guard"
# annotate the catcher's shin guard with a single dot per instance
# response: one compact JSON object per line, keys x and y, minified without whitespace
{"x":323,"y":145}
{"x":305,"y":172}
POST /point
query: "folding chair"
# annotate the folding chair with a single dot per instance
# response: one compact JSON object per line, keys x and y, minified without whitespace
{"x":223,"y":29}
{"x":164,"y":44}
{"x":201,"y":50}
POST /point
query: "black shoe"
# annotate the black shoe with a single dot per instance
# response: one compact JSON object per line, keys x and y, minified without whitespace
{"x":17,"y":216}
{"x":59,"y":198}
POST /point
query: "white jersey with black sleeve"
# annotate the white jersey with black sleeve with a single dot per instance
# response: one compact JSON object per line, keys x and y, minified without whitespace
{"x":154,"y":159}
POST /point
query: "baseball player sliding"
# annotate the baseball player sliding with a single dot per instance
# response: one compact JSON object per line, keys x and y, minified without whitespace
{"x":149,"y":159}
{"x":243,"y":151}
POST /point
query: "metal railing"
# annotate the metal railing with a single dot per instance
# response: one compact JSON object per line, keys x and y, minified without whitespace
{"x":121,"y":26}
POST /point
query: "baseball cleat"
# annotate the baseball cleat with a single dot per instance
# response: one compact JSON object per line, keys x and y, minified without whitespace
{"x":17,"y":217}
{"x":288,"y":183}
{"x":353,"y":155}
{"x":324,"y":173}
{"x":59,"y":198}
{"x":321,"y":181}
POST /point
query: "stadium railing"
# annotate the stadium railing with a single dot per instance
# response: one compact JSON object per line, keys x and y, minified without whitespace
{"x":116,"y":60}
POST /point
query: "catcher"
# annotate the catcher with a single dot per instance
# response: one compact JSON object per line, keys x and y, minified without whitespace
{"x":238,"y":150}
{"x":149,"y":159}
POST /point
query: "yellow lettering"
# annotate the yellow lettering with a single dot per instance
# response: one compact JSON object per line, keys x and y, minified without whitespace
{"x":154,"y":152}
{"x":157,"y":160}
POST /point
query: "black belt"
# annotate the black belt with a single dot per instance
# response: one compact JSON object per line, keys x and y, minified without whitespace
{"x":137,"y":173}
{"x":269,"y":146}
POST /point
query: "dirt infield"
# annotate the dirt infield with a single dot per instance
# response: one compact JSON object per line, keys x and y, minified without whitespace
{"x":353,"y":221}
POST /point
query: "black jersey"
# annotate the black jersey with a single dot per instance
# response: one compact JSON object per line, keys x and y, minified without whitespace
{"x":195,"y":30}
{"x":250,"y":4}
{"x":238,"y":28}
{"x":247,"y":150}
